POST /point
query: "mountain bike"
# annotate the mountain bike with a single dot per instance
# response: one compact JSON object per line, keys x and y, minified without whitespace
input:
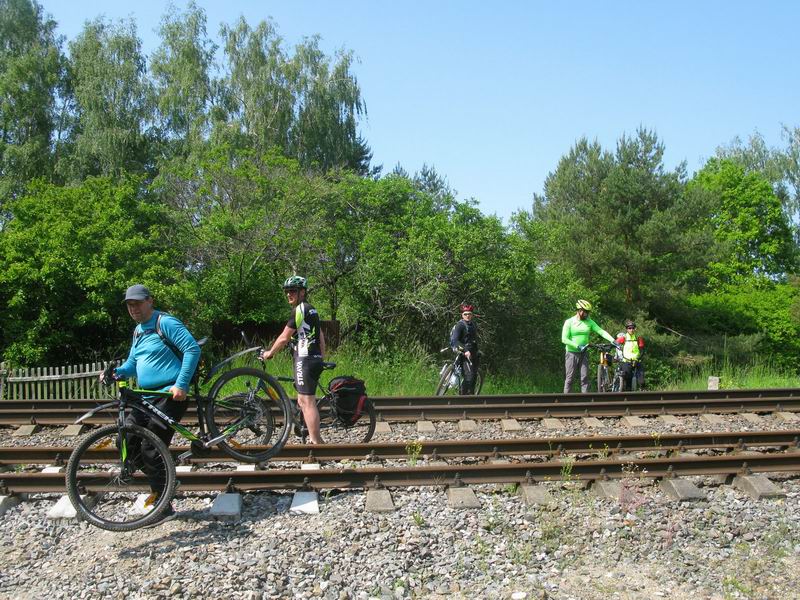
{"x":451,"y":374}
{"x":246,"y":414}
{"x":606,"y":382}
{"x":336,"y":425}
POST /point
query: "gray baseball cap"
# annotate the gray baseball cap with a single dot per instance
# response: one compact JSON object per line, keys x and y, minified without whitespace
{"x":136,"y":292}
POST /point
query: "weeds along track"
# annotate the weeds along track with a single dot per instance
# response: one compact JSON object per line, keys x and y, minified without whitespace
{"x":438,"y":408}
{"x":600,"y":446}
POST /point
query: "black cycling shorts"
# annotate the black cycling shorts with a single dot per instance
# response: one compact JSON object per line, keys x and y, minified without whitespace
{"x":306,"y":374}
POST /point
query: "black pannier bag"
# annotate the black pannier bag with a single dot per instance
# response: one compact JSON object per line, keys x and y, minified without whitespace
{"x":349,"y":395}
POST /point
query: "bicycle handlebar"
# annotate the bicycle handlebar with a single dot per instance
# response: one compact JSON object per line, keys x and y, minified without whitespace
{"x":608,"y":347}
{"x":458,"y":352}
{"x":108,"y":378}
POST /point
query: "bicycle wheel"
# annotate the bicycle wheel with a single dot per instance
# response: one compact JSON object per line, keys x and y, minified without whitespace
{"x":104,"y":486}
{"x":445,"y":379}
{"x":618,"y":385}
{"x":603,"y":384}
{"x":478,"y":383}
{"x":251,"y":408}
{"x":335,"y":432}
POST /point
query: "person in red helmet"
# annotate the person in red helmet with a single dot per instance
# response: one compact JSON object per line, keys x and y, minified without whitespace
{"x":464,"y":338}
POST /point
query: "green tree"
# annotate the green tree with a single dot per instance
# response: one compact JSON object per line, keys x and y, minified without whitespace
{"x":31,"y":74}
{"x":418,"y":261}
{"x":605,"y":209}
{"x":429,"y":181}
{"x":755,"y":308}
{"x":780,"y":166}
{"x":65,"y":258}
{"x":112,"y":103}
{"x":231,"y":217}
{"x":184,"y":88}
{"x":305,"y":104}
{"x":750,"y":223}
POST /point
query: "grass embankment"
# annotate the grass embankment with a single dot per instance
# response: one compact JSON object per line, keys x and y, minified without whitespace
{"x":416,"y":374}
{"x":754,"y":375}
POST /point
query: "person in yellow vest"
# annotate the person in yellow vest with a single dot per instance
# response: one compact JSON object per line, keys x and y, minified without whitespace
{"x":632,"y":351}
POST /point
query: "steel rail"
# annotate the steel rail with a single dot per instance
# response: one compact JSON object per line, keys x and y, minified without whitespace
{"x":591,"y":409}
{"x":434,"y":475}
{"x":392,"y":401}
{"x":474,"y":410}
{"x":551,"y":446}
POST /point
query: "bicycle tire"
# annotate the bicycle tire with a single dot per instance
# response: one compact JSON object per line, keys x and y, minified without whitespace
{"x":444,"y":379}
{"x":603,"y":385}
{"x":478,"y":383}
{"x":618,"y":385}
{"x":256,"y":398}
{"x":335,"y":432}
{"x":111,"y":503}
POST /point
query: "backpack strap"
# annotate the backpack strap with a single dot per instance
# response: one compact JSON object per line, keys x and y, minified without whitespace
{"x":167,"y":342}
{"x":164,"y":339}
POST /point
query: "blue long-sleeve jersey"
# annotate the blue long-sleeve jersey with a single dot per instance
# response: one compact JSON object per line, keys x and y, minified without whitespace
{"x":156,"y":366}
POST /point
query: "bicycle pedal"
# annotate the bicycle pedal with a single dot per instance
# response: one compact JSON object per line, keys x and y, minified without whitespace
{"x":199,"y":450}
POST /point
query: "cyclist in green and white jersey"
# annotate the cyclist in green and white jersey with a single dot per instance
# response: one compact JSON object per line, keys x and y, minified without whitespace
{"x":575,"y":337}
{"x":309,"y":349}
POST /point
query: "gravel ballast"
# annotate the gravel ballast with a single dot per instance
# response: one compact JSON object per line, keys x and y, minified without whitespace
{"x":643,"y":545}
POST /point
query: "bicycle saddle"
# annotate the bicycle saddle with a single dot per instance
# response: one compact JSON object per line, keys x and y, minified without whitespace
{"x":328,"y":365}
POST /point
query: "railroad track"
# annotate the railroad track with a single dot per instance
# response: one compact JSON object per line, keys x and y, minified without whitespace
{"x":434,"y":475}
{"x":553,"y":446}
{"x":393,"y":401}
{"x":487,"y":408}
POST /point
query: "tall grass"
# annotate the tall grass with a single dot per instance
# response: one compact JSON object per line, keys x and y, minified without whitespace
{"x":758,"y":373}
{"x":416,"y":373}
{"x":410,"y":373}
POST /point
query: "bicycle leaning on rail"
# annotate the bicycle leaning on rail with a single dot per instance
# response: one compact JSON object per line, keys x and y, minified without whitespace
{"x":246,"y":414}
{"x":451,"y":375}
{"x":341,"y":421}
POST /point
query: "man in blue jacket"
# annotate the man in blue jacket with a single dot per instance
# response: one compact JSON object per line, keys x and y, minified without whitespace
{"x":164,"y":357}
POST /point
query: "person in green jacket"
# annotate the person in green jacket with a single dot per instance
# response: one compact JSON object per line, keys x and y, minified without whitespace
{"x":575,"y":337}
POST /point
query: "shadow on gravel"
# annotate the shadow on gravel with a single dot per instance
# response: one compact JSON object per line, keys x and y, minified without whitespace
{"x":184,"y":538}
{"x":199,"y":528}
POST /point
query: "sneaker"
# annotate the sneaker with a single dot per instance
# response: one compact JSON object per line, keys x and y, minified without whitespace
{"x":169,"y":514}
{"x":166,"y":517}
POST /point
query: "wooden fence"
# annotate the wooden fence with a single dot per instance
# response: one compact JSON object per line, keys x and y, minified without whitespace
{"x":75,"y":382}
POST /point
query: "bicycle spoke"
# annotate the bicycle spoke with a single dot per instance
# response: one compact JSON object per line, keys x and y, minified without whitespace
{"x":116,"y":493}
{"x":249,"y":408}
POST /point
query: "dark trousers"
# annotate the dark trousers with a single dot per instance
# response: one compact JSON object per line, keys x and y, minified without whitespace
{"x":143,"y":451}
{"x":469,"y":374}
{"x":629,"y":371}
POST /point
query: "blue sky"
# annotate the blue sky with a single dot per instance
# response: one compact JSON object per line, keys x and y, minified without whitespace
{"x":493,"y":94}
